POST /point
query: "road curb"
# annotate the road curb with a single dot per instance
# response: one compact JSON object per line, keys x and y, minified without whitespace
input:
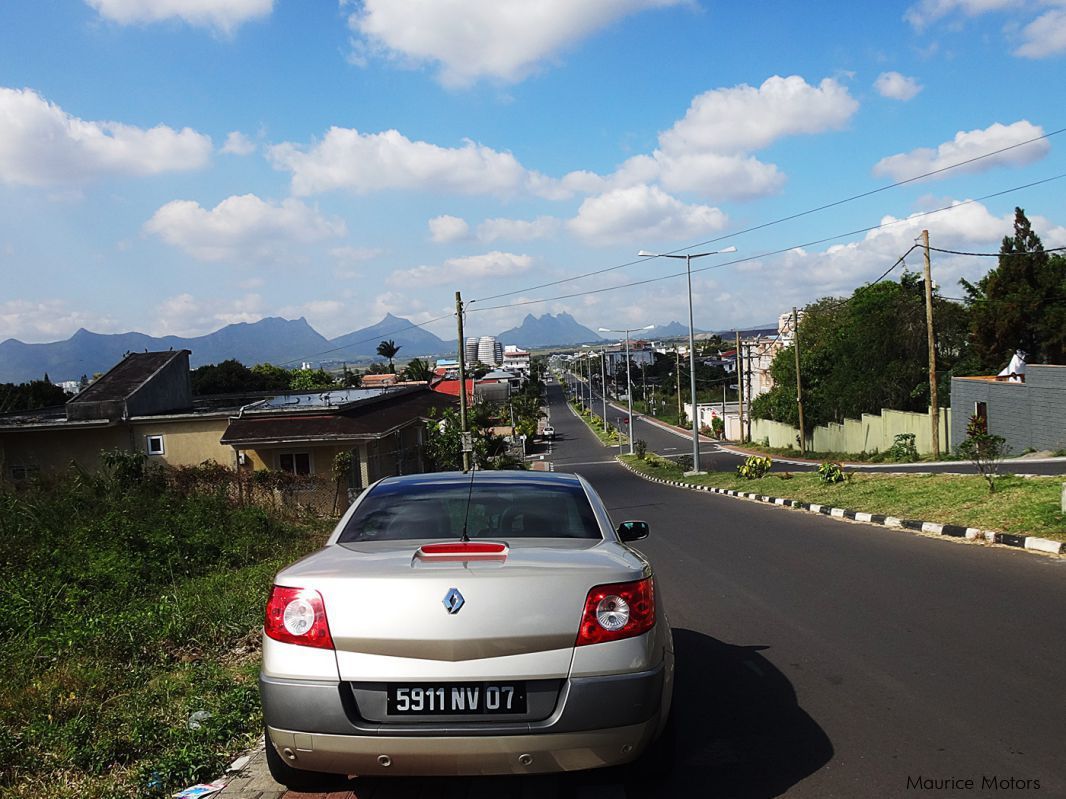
{"x":1030,"y":543}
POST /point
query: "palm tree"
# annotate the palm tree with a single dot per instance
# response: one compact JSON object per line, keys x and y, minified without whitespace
{"x":388,"y":349}
{"x":419,"y":370}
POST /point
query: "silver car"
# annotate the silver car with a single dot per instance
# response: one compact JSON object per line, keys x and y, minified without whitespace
{"x":453,"y":624}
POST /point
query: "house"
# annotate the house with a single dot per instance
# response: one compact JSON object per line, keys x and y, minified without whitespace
{"x":1030,"y":415}
{"x":145,"y":404}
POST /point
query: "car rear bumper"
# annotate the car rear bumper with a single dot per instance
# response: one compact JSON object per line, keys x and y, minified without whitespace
{"x":596,"y":721}
{"x":361,"y":755}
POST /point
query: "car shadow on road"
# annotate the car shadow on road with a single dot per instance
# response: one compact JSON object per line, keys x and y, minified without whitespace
{"x":738,"y":733}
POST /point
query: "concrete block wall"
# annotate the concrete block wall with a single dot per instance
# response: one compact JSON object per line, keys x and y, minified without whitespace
{"x":1029,"y":415}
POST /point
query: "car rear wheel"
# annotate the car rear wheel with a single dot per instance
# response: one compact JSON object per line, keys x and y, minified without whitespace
{"x":298,"y":779}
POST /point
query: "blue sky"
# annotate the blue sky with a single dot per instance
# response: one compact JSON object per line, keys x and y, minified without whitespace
{"x":172,"y":166}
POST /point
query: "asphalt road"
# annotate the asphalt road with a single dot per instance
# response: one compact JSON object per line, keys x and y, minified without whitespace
{"x":712,"y":458}
{"x":818,"y":658}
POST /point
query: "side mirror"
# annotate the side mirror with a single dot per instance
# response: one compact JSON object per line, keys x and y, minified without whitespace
{"x":633,"y":531}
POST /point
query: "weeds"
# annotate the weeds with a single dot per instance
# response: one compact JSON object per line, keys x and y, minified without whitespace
{"x":122,"y":601}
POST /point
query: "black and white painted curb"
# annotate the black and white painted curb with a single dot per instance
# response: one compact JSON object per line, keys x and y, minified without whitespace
{"x":953,"y":530}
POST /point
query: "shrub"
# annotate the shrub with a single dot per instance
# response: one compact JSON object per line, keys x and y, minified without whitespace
{"x":717,"y":427}
{"x":903,"y":449}
{"x":640,"y":447}
{"x":830,"y":472}
{"x":985,"y":452}
{"x":754,"y":467}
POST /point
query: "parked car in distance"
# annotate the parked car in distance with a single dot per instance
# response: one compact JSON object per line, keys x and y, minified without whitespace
{"x":462,"y":624}
{"x":548,"y":431}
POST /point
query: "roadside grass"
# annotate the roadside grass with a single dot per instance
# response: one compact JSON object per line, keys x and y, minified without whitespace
{"x":1023,"y":506}
{"x":608,"y":438}
{"x":124,"y":608}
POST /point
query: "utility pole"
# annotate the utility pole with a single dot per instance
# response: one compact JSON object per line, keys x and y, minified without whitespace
{"x":799,"y":384}
{"x":740,"y":391}
{"x":462,"y":378}
{"x":677,"y":358}
{"x":747,"y":392}
{"x":934,"y":405}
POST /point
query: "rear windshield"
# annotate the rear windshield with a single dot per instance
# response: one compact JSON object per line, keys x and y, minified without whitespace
{"x":497,"y":510}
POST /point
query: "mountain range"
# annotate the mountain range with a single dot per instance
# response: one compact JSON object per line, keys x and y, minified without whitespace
{"x":287,"y":342}
{"x":284,"y":342}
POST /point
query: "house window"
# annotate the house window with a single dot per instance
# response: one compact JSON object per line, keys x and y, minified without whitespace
{"x":154,"y":445}
{"x":295,"y":462}
{"x":20,"y":472}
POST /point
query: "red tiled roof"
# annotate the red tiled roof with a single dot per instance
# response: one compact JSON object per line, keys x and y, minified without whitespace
{"x":451,"y":388}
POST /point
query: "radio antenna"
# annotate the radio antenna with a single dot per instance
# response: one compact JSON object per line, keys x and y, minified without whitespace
{"x":469,"y":494}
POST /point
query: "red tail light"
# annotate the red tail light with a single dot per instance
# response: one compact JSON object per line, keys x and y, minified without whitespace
{"x":297,"y":616}
{"x":616,"y":611}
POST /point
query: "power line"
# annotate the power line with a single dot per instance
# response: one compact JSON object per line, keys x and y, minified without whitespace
{"x":999,"y":254}
{"x":771,"y":253}
{"x":779,"y":221}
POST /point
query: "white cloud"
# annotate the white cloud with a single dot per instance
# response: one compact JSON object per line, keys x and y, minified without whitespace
{"x":1045,"y":36}
{"x":733,"y":176}
{"x":708,"y":150}
{"x":895,"y":86}
{"x":37,"y":321}
{"x":472,"y":39}
{"x":745,"y":118}
{"x":444,"y":229}
{"x":186,"y":315}
{"x":238,"y":144}
{"x":221,"y":15}
{"x":241,"y":228}
{"x":494,"y":265}
{"x":802,"y":276}
{"x":967,"y":145}
{"x":922,"y":14}
{"x":642,"y":213}
{"x":517,"y":229}
{"x":41,"y":145}
{"x":366,"y":162}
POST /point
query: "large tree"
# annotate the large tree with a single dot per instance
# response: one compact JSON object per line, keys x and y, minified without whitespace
{"x":866,"y":353}
{"x":1020,"y":304}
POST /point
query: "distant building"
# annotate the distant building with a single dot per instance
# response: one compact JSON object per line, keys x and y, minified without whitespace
{"x":486,"y":350}
{"x":144,"y":404}
{"x":515,"y":360}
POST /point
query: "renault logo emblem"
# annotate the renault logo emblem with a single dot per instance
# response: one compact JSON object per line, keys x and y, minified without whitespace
{"x":453,"y":600}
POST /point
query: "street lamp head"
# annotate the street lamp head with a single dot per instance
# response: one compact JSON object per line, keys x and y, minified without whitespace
{"x":646,"y":254}
{"x":727,"y":249}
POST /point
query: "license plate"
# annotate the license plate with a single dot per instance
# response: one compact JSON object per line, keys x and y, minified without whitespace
{"x":456,"y":699}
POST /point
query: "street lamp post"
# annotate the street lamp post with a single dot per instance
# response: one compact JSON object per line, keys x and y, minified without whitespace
{"x":691,"y":341}
{"x":603,"y":381}
{"x":629,"y":380}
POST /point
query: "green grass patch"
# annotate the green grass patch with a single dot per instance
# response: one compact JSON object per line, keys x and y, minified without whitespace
{"x":125,"y":607}
{"x":609,"y":437}
{"x":1024,"y":506}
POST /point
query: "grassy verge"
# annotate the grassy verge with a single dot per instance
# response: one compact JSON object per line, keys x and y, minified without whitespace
{"x":608,"y":437}
{"x":125,"y":608}
{"x":1024,"y":506}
